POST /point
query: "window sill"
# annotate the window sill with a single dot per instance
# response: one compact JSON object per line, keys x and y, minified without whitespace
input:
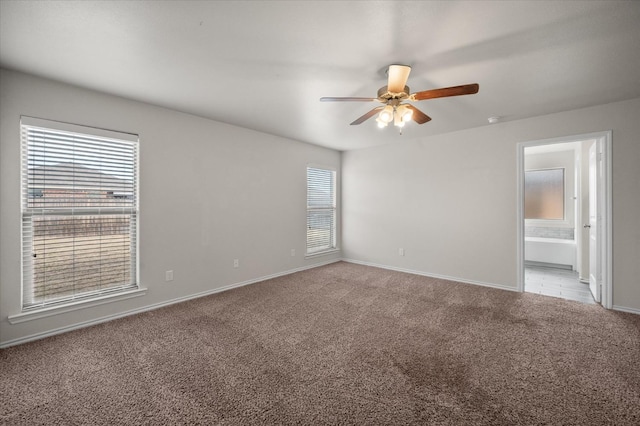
{"x":322,"y":253}
{"x":73,"y":306}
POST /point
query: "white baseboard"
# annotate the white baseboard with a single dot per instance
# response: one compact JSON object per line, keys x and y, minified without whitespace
{"x":462,"y":280}
{"x":107,"y":318}
{"x":625,"y":309}
{"x":432,"y":275}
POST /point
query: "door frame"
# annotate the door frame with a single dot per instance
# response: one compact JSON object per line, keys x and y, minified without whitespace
{"x":603,"y":141}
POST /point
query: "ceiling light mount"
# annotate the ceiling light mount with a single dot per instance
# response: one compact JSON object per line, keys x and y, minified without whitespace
{"x":494,"y":119}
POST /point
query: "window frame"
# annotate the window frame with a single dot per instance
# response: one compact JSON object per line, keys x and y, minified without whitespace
{"x":88,"y":298}
{"x":333,"y":207}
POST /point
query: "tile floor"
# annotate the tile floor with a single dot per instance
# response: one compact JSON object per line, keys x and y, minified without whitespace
{"x":556,"y":282}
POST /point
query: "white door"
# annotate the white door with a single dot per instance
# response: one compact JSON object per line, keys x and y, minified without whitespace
{"x":594,"y":258}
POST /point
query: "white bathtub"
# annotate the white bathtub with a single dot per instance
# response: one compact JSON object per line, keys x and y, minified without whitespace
{"x":550,"y":250}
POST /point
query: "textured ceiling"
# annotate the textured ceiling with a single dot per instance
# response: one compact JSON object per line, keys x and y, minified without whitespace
{"x":264,"y":65}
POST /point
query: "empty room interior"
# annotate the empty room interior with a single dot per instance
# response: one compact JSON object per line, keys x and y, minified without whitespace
{"x":306,"y":212}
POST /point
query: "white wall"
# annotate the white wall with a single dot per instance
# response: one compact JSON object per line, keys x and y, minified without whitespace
{"x":450,"y":200}
{"x":209,"y":193}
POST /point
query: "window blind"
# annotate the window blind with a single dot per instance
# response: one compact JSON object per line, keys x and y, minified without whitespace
{"x":79,"y":212}
{"x":321,"y":210}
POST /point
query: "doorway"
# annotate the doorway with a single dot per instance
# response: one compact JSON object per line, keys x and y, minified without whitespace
{"x":559,"y":244}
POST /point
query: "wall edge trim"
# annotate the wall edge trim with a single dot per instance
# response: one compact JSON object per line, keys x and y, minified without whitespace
{"x":626,"y":309}
{"x":432,"y":275}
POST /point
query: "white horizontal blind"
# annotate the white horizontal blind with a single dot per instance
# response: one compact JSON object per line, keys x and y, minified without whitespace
{"x":321,"y":210}
{"x":79,"y":213}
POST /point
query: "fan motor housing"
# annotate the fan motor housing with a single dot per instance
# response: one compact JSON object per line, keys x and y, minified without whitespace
{"x":384,"y":94}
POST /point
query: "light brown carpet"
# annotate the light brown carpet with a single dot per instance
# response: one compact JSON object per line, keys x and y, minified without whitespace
{"x":339,"y":344}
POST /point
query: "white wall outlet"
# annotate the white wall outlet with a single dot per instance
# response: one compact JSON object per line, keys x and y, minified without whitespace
{"x":168,"y":276}
{"x":236,"y":263}
{"x":293,"y":252}
{"x":401,"y":252}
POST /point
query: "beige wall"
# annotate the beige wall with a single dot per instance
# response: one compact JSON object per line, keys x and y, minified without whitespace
{"x":209,"y":193}
{"x":450,"y":200}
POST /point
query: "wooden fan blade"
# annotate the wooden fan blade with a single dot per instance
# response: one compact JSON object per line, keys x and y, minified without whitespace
{"x":367,"y":116}
{"x":467,"y":89}
{"x":418,"y":116}
{"x":347,"y":99}
{"x":398,"y":75}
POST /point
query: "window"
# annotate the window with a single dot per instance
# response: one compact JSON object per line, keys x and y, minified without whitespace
{"x":544,"y":194}
{"x":79,"y":212}
{"x":321,"y":210}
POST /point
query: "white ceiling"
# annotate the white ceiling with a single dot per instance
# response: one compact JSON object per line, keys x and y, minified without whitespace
{"x":264,"y":65}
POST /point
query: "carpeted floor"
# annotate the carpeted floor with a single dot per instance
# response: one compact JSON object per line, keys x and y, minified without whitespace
{"x":339,"y":344}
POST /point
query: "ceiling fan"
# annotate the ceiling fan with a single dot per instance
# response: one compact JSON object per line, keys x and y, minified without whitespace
{"x":395,"y":93}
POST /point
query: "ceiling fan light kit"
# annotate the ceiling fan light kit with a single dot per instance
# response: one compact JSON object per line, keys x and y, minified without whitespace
{"x":395,"y":93}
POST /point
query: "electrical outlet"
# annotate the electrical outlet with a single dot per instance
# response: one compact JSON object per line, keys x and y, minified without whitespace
{"x":293,"y":252}
{"x":168,"y":276}
{"x":401,"y":252}
{"x":236,"y":263}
